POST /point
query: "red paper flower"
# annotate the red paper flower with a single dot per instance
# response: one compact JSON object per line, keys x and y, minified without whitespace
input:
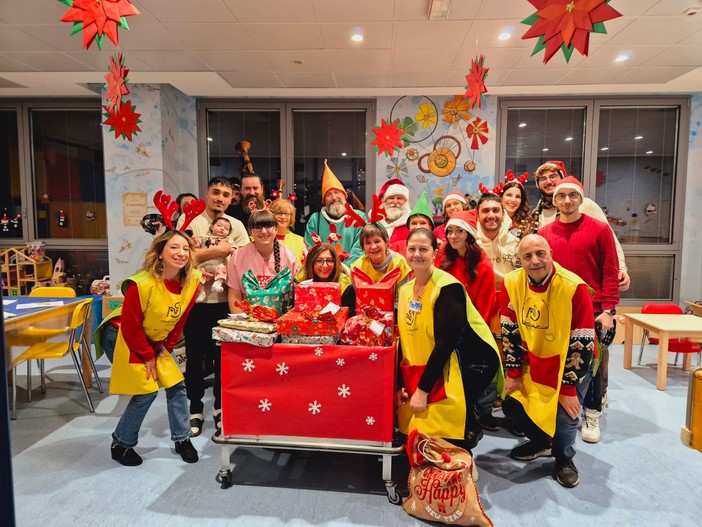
{"x":476,"y":82}
{"x":567,"y":24}
{"x":477,"y":131}
{"x":97,"y":18}
{"x":388,"y":137}
{"x":124,"y":122}
{"x":116,"y":87}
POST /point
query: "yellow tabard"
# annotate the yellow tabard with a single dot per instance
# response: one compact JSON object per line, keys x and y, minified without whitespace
{"x":445,"y":418}
{"x":162,"y":311}
{"x":544,"y":321}
{"x":398,"y":260}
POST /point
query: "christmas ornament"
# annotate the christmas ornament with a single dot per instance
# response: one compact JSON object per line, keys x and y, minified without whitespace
{"x":97,"y":18}
{"x":62,"y":219}
{"x":16,"y":221}
{"x":475,"y":88}
{"x":5,"y":222}
{"x":116,"y":86}
{"x":124,"y":122}
{"x":388,"y":137}
{"x":566,"y":25}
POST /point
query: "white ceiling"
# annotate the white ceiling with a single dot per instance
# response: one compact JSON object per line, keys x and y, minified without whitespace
{"x":234,"y":48}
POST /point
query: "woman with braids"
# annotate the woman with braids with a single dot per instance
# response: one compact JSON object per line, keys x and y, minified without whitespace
{"x":157,"y":302}
{"x":265,"y":257}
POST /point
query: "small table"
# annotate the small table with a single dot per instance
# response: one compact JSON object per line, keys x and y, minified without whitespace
{"x":666,"y":327}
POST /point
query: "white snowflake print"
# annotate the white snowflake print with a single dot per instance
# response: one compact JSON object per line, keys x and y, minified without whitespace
{"x":248,"y":365}
{"x":413,"y":506}
{"x":282,"y":368}
{"x":319,"y":352}
{"x":373,"y":357}
{"x":340,"y":362}
{"x":315,"y":408}
{"x":370,"y":420}
{"x":344,"y":391}
{"x":265,"y":405}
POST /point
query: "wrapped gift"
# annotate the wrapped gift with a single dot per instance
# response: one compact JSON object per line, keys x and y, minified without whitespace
{"x":277,"y":293}
{"x":247,"y":325}
{"x":380,"y":294}
{"x":311,"y":340}
{"x":262,"y":340}
{"x":312,"y":323}
{"x":371,"y":327}
{"x":311,"y":296}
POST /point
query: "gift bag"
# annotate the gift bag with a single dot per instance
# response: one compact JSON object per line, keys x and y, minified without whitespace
{"x":441,"y":483}
{"x":276,"y":294}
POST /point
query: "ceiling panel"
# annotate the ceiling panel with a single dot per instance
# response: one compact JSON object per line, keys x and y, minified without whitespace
{"x":289,"y":11}
{"x":164,"y":61}
{"x":284,"y":36}
{"x":284,"y":60}
{"x":235,"y":60}
{"x":360,"y":60}
{"x":306,"y":79}
{"x":433,"y":35}
{"x":356,"y":10}
{"x":362,"y":79}
{"x":338,"y":35}
{"x":251,"y":79}
{"x":678,"y":56}
{"x":425,"y":60}
{"x":46,"y":61}
{"x":202,"y":11}
{"x":207,"y":37}
{"x":653,"y":75}
{"x":15,"y":39}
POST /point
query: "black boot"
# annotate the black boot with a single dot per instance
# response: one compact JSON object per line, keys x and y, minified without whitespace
{"x":125,"y":455}
{"x":187,"y":451}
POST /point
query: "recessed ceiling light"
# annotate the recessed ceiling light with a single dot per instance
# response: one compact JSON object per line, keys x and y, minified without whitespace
{"x":638,"y":137}
{"x":357,"y":37}
{"x":621,"y":58}
{"x":568,"y":138}
{"x":544,"y":149}
{"x":505,"y":35}
{"x":210,"y":139}
{"x":604,"y":148}
{"x":343,"y":154}
{"x":522,"y":125}
{"x":649,"y":151}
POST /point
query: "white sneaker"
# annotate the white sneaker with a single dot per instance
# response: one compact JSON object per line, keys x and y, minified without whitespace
{"x":591,"y":427}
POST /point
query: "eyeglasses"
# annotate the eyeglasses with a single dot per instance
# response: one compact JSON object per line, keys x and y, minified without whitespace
{"x":324,"y":261}
{"x":572,"y":196}
{"x":259,"y":228}
{"x":551,"y":177}
{"x":282,"y":214}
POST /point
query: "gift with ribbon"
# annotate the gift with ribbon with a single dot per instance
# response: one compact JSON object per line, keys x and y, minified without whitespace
{"x":380,"y":295}
{"x":313,"y":323}
{"x":277,"y":293}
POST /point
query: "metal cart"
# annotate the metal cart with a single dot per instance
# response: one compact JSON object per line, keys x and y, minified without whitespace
{"x":302,"y":397}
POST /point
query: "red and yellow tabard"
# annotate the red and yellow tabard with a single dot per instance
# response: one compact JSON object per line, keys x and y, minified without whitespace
{"x":544,"y":321}
{"x":445,"y":417}
{"x":162,"y":310}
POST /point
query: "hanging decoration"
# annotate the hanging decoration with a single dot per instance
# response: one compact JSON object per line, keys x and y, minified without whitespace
{"x":62,"y":219}
{"x":388,"y":137}
{"x":116,"y":86}
{"x":16,"y":221}
{"x":475,"y":89}
{"x":566,"y":25}
{"x":5,"y":222}
{"x":124,"y":122}
{"x":98,"y":18}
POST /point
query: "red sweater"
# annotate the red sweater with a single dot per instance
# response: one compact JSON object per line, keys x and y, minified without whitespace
{"x":481,"y":291}
{"x":132,"y":319}
{"x":586,"y":247}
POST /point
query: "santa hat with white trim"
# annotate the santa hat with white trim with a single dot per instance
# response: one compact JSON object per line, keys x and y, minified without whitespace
{"x":463,"y":220}
{"x":393,"y":187}
{"x":454,"y":194}
{"x":570,"y":183}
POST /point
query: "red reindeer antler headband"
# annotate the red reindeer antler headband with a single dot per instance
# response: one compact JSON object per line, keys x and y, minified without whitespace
{"x":167,"y":208}
{"x":377,"y":213}
{"x":253,"y":207}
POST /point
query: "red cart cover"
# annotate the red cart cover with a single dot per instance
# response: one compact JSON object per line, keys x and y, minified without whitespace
{"x":336,"y":392}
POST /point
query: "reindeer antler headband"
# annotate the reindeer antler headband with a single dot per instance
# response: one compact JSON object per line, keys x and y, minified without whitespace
{"x":354,"y":218}
{"x":253,"y":207}
{"x":509,"y":178}
{"x":167,"y":208}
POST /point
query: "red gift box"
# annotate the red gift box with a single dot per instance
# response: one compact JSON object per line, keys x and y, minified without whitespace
{"x":314,"y":296}
{"x":335,"y":392}
{"x":297,"y":323}
{"x":380,"y":294}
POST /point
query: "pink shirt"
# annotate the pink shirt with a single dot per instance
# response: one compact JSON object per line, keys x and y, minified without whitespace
{"x":247,"y":257}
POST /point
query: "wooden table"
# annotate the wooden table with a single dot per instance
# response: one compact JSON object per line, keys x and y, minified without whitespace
{"x":46,"y":317}
{"x":666,"y":327}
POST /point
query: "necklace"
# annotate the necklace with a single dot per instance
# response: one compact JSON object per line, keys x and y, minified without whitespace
{"x":418,"y":291}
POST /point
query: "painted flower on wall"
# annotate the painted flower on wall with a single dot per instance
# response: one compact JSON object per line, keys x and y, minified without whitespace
{"x":397,"y":168}
{"x":456,"y":110}
{"x":97,"y":18}
{"x":388,"y":137}
{"x":477,"y":131}
{"x":426,"y":115}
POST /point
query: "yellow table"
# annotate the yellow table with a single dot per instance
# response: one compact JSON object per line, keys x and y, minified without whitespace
{"x":52,"y":317}
{"x":666,"y":327}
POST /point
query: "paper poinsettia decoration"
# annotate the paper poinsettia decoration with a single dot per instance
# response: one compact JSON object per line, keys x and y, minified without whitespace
{"x":388,"y":137}
{"x":97,"y":18}
{"x":116,"y":87}
{"x":476,"y":82}
{"x":477,"y":131}
{"x":124,"y":121}
{"x":567,"y":24}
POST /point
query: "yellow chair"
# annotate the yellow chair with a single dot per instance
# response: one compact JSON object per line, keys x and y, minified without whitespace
{"x":57,"y":350}
{"x":55,"y":291}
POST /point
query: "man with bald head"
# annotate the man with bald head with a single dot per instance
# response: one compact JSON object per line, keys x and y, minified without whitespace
{"x":548,"y":341}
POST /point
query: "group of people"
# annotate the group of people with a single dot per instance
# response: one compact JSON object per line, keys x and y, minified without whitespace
{"x":497,"y":303}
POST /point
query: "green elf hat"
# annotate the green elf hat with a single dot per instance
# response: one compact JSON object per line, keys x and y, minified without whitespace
{"x":421,"y":207}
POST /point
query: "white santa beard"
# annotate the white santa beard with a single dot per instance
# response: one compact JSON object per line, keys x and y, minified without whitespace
{"x":393,"y":213}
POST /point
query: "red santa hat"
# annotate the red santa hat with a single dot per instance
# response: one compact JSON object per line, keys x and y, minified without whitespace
{"x":570,"y":183}
{"x":454,"y":194}
{"x":393,"y":187}
{"x":464,"y":220}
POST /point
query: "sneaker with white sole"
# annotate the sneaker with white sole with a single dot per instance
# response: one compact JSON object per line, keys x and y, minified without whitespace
{"x":530,"y":450}
{"x":567,"y":473}
{"x":590,"y":431}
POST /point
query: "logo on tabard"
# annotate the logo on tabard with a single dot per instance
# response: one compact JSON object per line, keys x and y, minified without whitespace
{"x":174,"y":310}
{"x":535,"y":313}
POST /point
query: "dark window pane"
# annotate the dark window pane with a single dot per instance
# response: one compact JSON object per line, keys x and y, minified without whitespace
{"x":10,"y":197}
{"x":69,"y":178}
{"x":651,"y":277}
{"x":82,"y":267}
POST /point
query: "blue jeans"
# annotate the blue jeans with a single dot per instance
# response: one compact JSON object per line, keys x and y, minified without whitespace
{"x":127,"y":432}
{"x":108,"y":339}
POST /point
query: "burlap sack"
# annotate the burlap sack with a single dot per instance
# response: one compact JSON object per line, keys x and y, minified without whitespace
{"x":441,"y":483}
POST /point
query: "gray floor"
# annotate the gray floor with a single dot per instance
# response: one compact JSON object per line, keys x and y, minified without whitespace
{"x":640,"y":474}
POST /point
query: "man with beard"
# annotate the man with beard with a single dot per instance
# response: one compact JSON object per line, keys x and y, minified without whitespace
{"x":203,"y":354}
{"x":495,"y":237}
{"x":334,"y":213}
{"x":251,"y":190}
{"x":394,"y":196}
